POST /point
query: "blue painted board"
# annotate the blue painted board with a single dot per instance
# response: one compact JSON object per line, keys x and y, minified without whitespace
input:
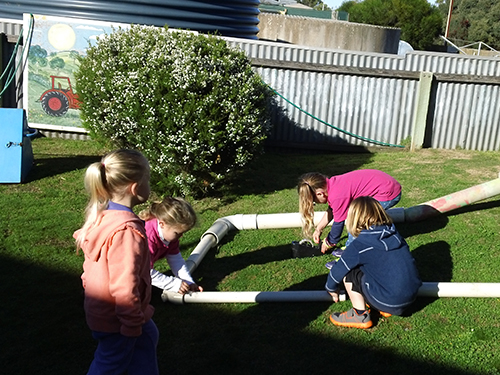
{"x":16,"y":154}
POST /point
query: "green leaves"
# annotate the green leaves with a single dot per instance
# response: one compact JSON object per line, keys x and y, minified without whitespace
{"x":189,"y":102}
{"x":420,"y":23}
{"x":476,"y":21}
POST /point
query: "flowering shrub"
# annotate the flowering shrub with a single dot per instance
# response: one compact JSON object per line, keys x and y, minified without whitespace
{"x":189,"y":102}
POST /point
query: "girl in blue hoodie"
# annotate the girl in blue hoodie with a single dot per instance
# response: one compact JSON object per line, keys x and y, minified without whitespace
{"x":376,"y":268}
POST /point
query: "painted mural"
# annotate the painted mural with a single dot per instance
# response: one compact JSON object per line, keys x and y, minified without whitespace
{"x":56,"y":44}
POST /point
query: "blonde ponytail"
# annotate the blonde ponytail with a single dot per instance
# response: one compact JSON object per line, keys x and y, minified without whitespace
{"x":307,"y":186}
{"x":110,"y":177}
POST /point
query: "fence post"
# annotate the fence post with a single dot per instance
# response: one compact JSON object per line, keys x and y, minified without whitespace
{"x":421,"y":110}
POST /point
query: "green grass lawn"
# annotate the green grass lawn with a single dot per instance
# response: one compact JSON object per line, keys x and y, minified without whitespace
{"x":43,"y":323}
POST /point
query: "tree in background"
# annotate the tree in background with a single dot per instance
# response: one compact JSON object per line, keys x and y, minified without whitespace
{"x":420,"y":22}
{"x":473,"y":21}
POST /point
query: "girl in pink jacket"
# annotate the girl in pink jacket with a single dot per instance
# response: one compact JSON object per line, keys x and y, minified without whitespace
{"x":166,"y":222}
{"x":116,"y":267}
{"x":338,"y":192}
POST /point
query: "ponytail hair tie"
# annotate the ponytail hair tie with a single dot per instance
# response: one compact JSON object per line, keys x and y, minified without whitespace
{"x":103,"y":173}
{"x":310,"y":188}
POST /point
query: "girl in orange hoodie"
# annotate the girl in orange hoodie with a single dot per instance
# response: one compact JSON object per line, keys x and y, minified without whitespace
{"x":116,"y":269}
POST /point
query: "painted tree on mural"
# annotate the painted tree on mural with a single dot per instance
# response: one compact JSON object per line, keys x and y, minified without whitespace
{"x":420,"y":22}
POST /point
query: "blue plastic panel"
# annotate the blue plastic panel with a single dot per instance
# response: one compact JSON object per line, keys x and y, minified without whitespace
{"x":16,"y":155}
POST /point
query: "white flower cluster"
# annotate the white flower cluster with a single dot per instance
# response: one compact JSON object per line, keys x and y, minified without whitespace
{"x":191,"y":103}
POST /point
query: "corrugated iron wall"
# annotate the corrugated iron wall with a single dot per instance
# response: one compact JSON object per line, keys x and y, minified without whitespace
{"x":366,"y":106}
{"x":374,"y":96}
{"x":372,"y":104}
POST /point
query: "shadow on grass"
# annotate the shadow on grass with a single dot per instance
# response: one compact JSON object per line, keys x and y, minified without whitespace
{"x":277,"y":171}
{"x":44,"y":332}
{"x":273,"y":339}
{"x":408,"y":230}
{"x":43,"y":323}
{"x":434,"y":264}
{"x":434,"y":261}
{"x":43,"y":168}
{"x":215,"y":270}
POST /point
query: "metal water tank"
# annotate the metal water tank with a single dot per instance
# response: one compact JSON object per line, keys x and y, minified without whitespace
{"x":234,"y":18}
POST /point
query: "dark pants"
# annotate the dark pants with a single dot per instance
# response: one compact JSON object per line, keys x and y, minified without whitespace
{"x":116,"y":354}
{"x":355,"y":277}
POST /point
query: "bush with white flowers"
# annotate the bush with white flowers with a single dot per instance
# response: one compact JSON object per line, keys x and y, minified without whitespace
{"x":189,"y":102}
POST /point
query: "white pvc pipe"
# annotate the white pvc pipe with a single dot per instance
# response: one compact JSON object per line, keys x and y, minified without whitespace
{"x":199,"y":252}
{"x":269,"y":221}
{"x":250,"y":297}
{"x":428,"y":289}
{"x":442,"y":289}
{"x":222,"y":226}
{"x":208,"y":240}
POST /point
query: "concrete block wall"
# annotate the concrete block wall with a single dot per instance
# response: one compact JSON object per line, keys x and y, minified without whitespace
{"x":322,"y":33}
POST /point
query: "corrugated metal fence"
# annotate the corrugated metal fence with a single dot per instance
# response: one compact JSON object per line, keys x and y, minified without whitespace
{"x":375,"y":96}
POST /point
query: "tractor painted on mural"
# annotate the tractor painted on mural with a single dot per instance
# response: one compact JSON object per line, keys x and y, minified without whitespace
{"x":57,"y":100}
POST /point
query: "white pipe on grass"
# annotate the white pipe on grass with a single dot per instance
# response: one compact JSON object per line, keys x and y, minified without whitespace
{"x":428,"y":289}
{"x":222,"y":226}
{"x":448,"y":289}
{"x":250,"y":297}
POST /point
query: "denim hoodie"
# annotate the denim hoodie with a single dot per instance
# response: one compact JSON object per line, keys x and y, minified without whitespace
{"x":390,"y":282}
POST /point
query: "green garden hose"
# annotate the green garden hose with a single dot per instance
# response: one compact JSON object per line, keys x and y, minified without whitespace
{"x":10,"y":65}
{"x":334,"y":127}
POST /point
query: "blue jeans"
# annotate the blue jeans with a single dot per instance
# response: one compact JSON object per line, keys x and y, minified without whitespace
{"x":116,"y":354}
{"x":385,"y":205}
{"x":388,"y":204}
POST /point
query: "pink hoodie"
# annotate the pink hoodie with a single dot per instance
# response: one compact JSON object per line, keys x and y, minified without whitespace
{"x":116,"y":274}
{"x":157,"y":248}
{"x":343,"y":189}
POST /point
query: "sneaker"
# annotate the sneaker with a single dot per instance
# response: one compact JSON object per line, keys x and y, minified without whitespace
{"x":337,"y":253}
{"x":352,"y":319}
{"x":382,"y":313}
{"x":329,"y":265}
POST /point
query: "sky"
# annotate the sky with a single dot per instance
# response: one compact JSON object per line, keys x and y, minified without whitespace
{"x":334,"y":4}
